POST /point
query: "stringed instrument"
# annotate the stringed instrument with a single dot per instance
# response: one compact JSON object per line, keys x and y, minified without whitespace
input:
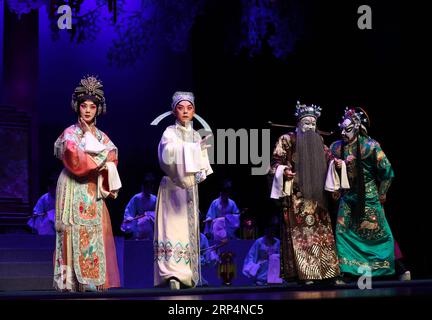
{"x":216,"y":246}
{"x":139,"y":216}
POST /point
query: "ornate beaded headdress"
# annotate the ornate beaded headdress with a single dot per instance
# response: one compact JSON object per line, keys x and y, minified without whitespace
{"x":90,"y":87}
{"x":303,"y":110}
{"x":358,"y":116}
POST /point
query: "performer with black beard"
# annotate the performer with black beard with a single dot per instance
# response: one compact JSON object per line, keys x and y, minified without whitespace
{"x":298,"y":168}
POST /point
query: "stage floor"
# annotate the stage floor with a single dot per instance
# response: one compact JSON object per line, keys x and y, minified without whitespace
{"x":387,"y":290}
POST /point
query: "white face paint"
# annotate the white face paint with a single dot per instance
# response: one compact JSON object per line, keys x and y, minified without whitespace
{"x":308,"y":123}
{"x":349,"y":130}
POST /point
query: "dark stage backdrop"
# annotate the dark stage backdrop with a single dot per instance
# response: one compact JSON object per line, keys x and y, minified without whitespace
{"x":332,"y":63}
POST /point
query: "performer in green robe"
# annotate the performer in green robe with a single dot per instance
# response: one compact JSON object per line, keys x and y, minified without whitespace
{"x":364,"y":240}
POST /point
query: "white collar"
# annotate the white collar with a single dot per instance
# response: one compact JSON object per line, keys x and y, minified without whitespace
{"x":188,"y":127}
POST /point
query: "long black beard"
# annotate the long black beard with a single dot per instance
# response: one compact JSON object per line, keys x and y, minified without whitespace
{"x":311,"y":166}
{"x":359,"y":208}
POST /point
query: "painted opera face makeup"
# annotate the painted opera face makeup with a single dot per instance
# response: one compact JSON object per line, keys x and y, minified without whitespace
{"x":308,"y":123}
{"x":349,"y":130}
{"x":88,"y":111}
{"x":184,"y":111}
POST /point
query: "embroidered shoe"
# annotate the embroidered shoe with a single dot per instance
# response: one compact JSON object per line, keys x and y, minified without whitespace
{"x":406,"y":276}
{"x":174,"y":284}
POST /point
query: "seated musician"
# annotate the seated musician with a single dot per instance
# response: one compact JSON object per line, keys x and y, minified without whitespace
{"x":140,"y":212}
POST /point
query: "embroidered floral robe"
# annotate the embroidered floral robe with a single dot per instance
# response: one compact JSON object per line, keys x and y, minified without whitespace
{"x":367,"y":242}
{"x":85,"y":256}
{"x":308,"y":250}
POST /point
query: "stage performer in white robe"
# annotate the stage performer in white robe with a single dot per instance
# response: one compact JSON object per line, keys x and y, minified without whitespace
{"x":183,"y":158}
